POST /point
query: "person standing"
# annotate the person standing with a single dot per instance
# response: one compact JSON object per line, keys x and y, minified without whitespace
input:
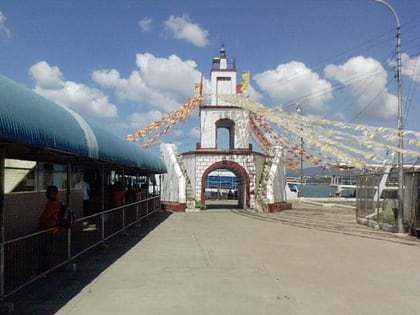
{"x":85,"y":187}
{"x":49,"y":251}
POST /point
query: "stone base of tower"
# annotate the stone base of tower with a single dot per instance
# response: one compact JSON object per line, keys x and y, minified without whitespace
{"x":245,"y":164}
{"x":279,"y":206}
{"x":173,"y":206}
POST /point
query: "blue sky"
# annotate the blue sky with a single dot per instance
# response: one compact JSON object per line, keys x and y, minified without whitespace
{"x":126,"y":63}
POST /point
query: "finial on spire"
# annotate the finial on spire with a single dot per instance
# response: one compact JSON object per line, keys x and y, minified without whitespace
{"x":222,"y":51}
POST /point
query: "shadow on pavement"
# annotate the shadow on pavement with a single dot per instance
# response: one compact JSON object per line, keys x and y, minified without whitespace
{"x":48,"y":295}
{"x":326,"y":220}
{"x":222,"y":204}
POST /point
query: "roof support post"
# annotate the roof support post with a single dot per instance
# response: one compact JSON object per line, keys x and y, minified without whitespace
{"x":102,"y":192}
{"x":102,"y":188}
{"x":124,"y":184}
{"x":68,"y":183}
{"x":2,"y":231}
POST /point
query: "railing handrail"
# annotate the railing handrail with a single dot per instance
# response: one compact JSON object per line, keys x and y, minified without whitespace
{"x":116,"y":208}
{"x":96,"y":241}
{"x":78,"y":220}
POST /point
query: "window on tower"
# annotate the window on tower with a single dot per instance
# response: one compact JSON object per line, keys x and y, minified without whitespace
{"x":225,"y":134}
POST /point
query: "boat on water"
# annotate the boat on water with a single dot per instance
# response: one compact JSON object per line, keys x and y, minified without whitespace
{"x":344,"y":186}
{"x":291,"y":188}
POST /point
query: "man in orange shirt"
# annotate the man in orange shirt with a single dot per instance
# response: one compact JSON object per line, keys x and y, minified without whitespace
{"x":51,"y":249}
{"x":49,"y":217}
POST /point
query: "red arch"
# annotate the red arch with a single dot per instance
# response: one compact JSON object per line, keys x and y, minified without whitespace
{"x":235,"y":168}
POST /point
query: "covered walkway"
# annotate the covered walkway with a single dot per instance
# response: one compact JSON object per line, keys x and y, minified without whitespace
{"x":310,"y":260}
{"x":110,"y":183}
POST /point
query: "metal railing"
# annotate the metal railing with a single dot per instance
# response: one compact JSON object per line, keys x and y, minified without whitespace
{"x":28,"y":258}
{"x":381,"y":210}
{"x":366,"y":187}
{"x":412,"y":202}
{"x":377,"y":200}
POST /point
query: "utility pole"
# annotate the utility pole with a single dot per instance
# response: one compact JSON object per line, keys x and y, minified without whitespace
{"x":400,"y":122}
{"x":299,"y":111}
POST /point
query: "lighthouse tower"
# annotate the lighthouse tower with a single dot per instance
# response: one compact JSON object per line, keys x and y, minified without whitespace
{"x":220,"y":114}
{"x":224,"y":146}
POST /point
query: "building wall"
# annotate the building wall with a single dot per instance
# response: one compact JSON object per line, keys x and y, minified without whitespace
{"x":190,"y":164}
{"x":210,"y":116}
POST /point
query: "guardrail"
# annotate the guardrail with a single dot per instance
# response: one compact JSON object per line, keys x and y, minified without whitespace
{"x":28,"y":258}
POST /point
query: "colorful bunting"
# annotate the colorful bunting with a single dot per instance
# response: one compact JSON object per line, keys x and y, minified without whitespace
{"x":326,"y":143}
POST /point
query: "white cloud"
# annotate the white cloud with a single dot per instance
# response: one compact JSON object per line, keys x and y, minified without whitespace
{"x":182,"y":28}
{"x":195,"y":132}
{"x":294,"y":82}
{"x":146,"y":24}
{"x":163,"y":83}
{"x":4,"y":30}
{"x":366,"y":80}
{"x":137,"y":121}
{"x":87,"y":101}
{"x":254,"y":94}
{"x":47,"y":77}
{"x":411,"y":66}
{"x":177,"y":133}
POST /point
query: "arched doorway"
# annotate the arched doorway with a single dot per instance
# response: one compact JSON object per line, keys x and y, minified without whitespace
{"x":222,"y":184}
{"x":242,"y":182}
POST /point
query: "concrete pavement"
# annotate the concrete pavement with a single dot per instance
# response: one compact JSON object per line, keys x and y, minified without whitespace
{"x":305,"y":261}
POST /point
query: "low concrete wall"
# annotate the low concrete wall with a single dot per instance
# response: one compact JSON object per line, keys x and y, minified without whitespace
{"x":279,"y":206}
{"x":173,"y":206}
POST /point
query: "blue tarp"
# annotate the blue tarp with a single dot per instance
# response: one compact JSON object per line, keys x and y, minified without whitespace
{"x":29,"y":118}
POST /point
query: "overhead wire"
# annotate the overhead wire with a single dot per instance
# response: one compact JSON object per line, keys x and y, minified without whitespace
{"x":370,"y":103}
{"x":374,"y":41}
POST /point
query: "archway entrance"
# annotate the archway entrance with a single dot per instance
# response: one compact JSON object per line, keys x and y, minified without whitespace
{"x":225,"y":185}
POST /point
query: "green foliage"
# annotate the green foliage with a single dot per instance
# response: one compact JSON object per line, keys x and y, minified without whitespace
{"x":199,"y":205}
{"x":386,"y":216}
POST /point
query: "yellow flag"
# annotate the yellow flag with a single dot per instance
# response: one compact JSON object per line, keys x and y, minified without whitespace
{"x":245,"y":81}
{"x":197,"y":90}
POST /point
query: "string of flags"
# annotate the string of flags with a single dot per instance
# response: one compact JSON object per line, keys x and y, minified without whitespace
{"x":158,"y":128}
{"x":335,"y":142}
{"x":327,"y":143}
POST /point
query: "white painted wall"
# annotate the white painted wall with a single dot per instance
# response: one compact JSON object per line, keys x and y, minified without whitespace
{"x":173,"y":182}
{"x":209,"y":117}
{"x":222,"y":87}
{"x":276,"y":178}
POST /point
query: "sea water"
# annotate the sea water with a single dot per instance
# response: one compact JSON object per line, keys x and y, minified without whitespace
{"x":315,"y":190}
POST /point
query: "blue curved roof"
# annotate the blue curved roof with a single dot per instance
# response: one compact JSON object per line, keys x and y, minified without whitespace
{"x":31,"y":119}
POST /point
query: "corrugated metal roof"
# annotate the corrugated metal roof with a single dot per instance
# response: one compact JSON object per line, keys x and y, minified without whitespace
{"x":31,"y":119}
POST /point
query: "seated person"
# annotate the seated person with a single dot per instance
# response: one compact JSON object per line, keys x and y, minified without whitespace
{"x":49,"y":218}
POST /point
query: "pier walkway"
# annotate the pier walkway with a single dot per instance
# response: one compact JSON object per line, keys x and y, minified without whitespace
{"x":309,"y":260}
